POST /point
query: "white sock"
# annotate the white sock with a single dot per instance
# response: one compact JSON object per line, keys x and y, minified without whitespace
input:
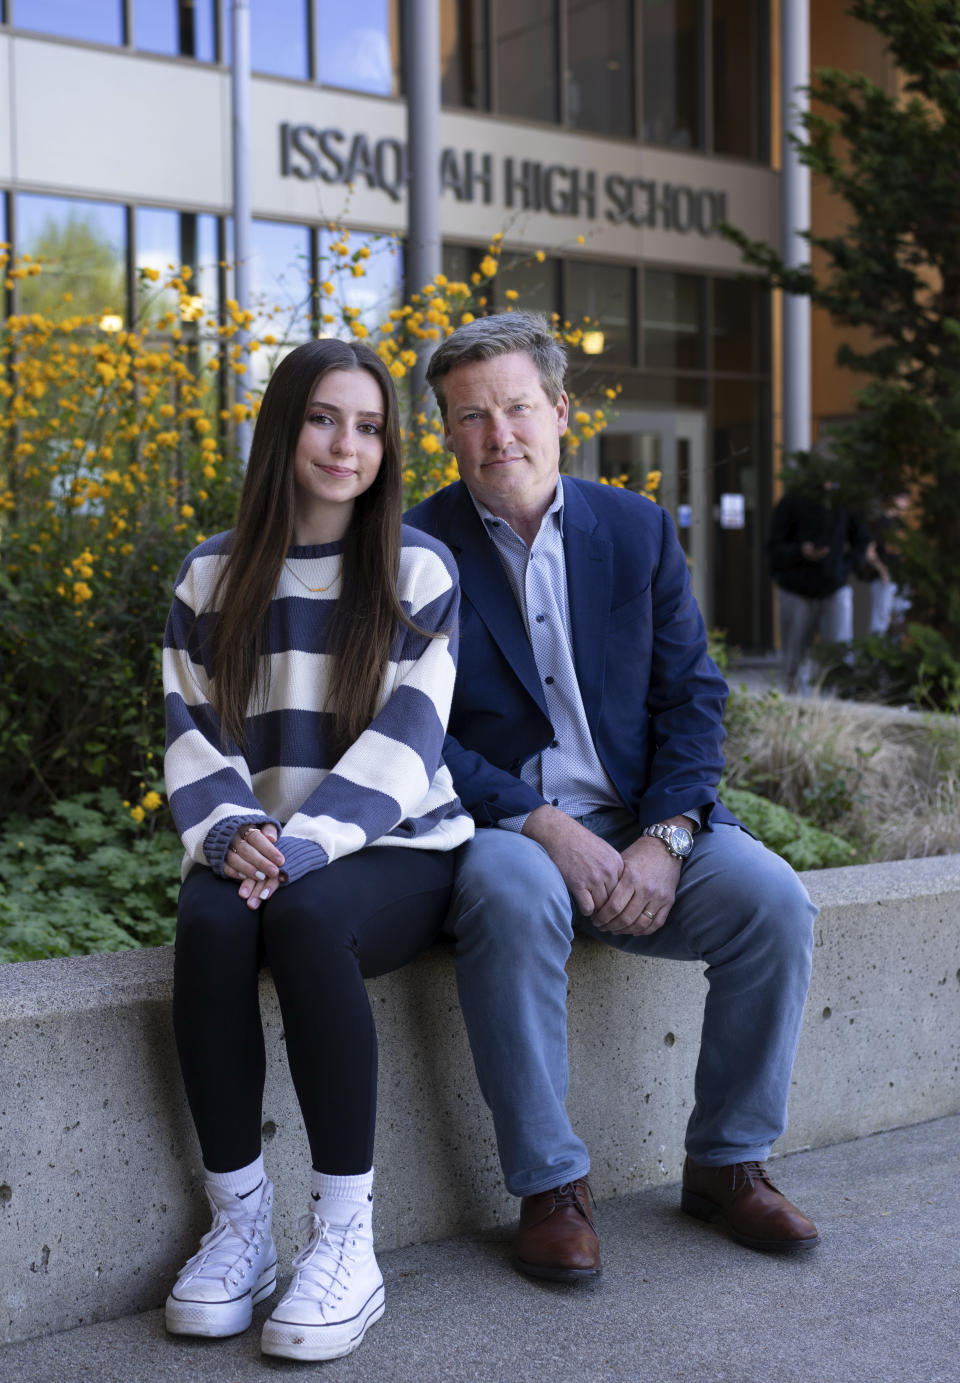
{"x":242,"y":1181}
{"x":337,"y":1199}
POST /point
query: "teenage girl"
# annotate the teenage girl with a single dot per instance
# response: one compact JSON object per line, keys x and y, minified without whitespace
{"x":309,"y":662}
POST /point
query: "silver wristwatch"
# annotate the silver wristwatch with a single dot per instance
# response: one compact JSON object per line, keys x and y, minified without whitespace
{"x":677,"y":839}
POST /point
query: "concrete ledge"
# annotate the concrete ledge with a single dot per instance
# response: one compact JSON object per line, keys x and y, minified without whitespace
{"x":99,"y":1173}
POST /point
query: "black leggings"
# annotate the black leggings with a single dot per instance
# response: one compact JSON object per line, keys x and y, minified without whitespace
{"x":364,"y":915}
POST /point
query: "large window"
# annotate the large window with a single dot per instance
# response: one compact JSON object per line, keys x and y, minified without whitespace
{"x":100,"y":21}
{"x":165,"y":241}
{"x":463,"y":53}
{"x":599,"y":65}
{"x":279,"y":37}
{"x":673,"y":321}
{"x":604,"y":294}
{"x":187,"y":27}
{"x":525,"y":59}
{"x":358,"y":45}
{"x":740,"y":88}
{"x":86,"y":245}
{"x":673,"y":73}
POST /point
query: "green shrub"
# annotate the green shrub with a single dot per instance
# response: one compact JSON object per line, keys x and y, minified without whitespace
{"x":921,"y":668}
{"x":802,"y":844}
{"x":87,"y":878}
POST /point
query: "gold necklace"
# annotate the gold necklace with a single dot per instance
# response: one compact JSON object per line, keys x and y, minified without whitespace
{"x":314,"y":590}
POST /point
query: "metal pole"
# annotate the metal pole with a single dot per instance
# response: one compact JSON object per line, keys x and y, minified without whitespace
{"x":421,"y":71}
{"x":240,"y":105}
{"x":795,"y":184}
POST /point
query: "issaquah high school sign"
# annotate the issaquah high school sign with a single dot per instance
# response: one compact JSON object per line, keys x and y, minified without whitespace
{"x":521,"y":184}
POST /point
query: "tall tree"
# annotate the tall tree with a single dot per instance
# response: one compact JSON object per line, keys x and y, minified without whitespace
{"x":894,"y":269}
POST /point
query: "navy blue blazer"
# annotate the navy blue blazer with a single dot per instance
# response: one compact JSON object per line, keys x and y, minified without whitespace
{"x":653,"y":697}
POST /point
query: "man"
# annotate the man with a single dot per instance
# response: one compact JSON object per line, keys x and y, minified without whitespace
{"x":815,"y":544}
{"x":585,"y":736}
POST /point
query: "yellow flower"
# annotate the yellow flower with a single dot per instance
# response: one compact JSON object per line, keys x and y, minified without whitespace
{"x":488,"y":266}
{"x":138,"y":814}
{"x":240,"y":412}
{"x":581,"y":417}
{"x":540,"y":256}
{"x":152,"y":801}
{"x":327,"y":287}
{"x":397,"y":370}
{"x":512,"y":294}
{"x":430,"y":444}
{"x":188,"y":511}
{"x":467,"y":317}
{"x":209,"y":472}
{"x":151,"y":274}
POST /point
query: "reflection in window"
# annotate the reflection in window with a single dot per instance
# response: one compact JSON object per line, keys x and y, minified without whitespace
{"x":604,"y":293}
{"x":629,"y":456}
{"x":165,"y":241}
{"x":358,"y":45}
{"x":175,"y":26}
{"x":85,"y":243}
{"x":525,"y":58}
{"x":100,"y":21}
{"x":672,"y":73}
{"x":377,"y":291}
{"x":740,"y":57}
{"x":600,"y":65}
{"x":279,"y":280}
{"x":672,"y":320}
{"x":463,"y":53}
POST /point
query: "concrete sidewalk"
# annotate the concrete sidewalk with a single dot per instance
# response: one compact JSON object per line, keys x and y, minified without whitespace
{"x":677,"y":1301}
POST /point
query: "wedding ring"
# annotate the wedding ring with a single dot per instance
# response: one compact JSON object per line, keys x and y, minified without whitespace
{"x":651,"y":915}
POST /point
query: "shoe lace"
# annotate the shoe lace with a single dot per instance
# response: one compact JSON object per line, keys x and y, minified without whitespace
{"x":322,"y":1268}
{"x":566,"y":1195}
{"x":752,"y":1172}
{"x":229,"y":1242}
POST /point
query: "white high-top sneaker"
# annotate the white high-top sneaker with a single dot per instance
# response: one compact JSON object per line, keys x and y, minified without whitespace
{"x":236,"y":1266}
{"x":336,"y":1292}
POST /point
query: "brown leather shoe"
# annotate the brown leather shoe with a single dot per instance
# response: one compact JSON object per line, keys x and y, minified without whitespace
{"x":744,"y":1199}
{"x":557,"y":1238}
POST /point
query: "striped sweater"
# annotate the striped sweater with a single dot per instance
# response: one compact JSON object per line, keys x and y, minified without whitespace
{"x":391,"y":787}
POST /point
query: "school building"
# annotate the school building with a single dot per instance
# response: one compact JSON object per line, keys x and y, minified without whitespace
{"x":612,"y":134}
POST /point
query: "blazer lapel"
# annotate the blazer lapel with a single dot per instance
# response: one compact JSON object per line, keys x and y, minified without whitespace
{"x":484,"y":582}
{"x":589,"y":559}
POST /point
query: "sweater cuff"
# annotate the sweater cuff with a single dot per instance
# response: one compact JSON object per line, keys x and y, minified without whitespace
{"x":218,"y":838}
{"x":300,"y":857}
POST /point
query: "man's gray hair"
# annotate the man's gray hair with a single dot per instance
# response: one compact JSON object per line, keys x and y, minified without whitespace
{"x":504,"y":332}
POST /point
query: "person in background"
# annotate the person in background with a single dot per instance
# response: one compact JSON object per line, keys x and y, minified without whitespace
{"x":585,"y":738}
{"x":814,"y":545}
{"x":889,"y":600}
{"x":309,"y":662}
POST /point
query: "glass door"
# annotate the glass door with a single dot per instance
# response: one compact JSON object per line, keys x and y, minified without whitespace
{"x":638,"y":441}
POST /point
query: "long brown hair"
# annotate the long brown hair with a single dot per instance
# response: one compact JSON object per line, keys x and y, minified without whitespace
{"x":368,"y":607}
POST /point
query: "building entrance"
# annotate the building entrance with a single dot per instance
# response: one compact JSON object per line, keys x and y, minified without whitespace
{"x":674,"y":443}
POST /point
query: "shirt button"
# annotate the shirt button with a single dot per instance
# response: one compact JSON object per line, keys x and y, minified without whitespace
{"x":541,"y":618}
{"x":554,"y":744}
{"x":555,"y":802}
{"x":549,"y":681}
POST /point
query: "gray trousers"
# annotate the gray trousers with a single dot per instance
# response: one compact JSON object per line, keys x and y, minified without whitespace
{"x":802,"y":618}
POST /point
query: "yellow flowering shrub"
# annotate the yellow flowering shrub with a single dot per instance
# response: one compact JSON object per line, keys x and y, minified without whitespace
{"x":117,"y":456}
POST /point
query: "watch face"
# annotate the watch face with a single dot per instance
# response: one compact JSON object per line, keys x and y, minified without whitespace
{"x":682,"y":840}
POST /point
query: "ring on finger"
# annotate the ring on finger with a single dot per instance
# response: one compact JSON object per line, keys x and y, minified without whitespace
{"x":651,"y":915}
